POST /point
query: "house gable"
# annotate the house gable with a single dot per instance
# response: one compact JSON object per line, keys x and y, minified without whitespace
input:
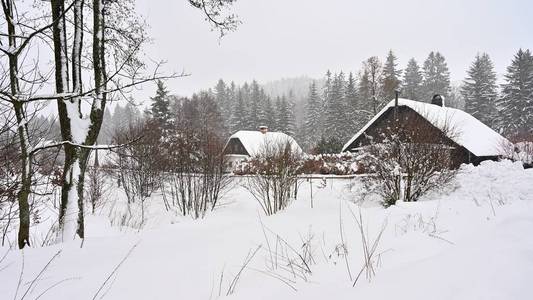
{"x":414,"y":128}
{"x":235,"y":146}
{"x":469,"y":132}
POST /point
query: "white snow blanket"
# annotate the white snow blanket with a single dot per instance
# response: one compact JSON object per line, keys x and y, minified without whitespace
{"x":473,"y":241}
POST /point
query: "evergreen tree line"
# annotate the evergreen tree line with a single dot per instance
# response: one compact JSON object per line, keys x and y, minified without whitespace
{"x":344,"y":105}
{"x":247,"y":107}
{"x":338,"y":106}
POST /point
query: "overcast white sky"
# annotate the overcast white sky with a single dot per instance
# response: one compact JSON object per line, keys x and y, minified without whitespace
{"x":286,"y":38}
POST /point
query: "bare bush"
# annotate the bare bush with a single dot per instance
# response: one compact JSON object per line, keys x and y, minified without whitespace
{"x":97,"y":187}
{"x":138,"y":163}
{"x":275,"y":180}
{"x":9,"y":184}
{"x":407,"y":160}
{"x":195,"y":179}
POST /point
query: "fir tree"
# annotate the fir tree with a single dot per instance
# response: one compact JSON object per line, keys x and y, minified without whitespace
{"x":222,"y":100}
{"x":291,"y":116}
{"x":277,"y":115}
{"x":285,"y":116}
{"x":254,"y":107}
{"x":364,"y":92}
{"x":351,"y":96}
{"x":479,"y":90}
{"x":412,"y":81}
{"x":282,"y":114}
{"x":119,"y":119}
{"x":391,"y":77}
{"x":245,"y":91}
{"x":238,"y":121}
{"x":327,"y":89}
{"x":106,"y":133}
{"x":269,"y":113}
{"x":436,"y":77}
{"x":516,"y":102}
{"x":313,"y":112}
{"x":335,"y":110}
{"x":160,"y":108}
{"x":354,"y":114}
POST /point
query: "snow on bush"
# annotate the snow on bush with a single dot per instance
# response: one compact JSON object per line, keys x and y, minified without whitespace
{"x":345,"y":163}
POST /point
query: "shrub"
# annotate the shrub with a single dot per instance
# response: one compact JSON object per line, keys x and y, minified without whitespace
{"x":274,"y":180}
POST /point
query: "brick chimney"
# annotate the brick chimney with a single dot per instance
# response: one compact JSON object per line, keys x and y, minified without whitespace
{"x":263,"y":129}
{"x":438,"y":100}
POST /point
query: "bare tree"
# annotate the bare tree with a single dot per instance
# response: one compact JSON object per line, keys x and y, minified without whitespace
{"x":111,"y":55}
{"x":374,"y":68}
{"x":79,"y":126}
{"x":20,"y":84}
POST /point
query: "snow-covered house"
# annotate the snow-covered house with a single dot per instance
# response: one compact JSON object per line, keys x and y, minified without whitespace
{"x":471,"y":141}
{"x":243,"y":144}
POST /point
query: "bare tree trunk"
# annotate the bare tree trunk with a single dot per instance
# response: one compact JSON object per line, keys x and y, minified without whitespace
{"x":24,"y":192}
{"x":68,"y":113}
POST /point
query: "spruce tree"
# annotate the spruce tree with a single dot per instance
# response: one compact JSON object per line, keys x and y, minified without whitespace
{"x":335,"y":123}
{"x":277,"y":117}
{"x":291,"y":117}
{"x":231,"y":94}
{"x":480,"y":91}
{"x":412,"y":81}
{"x":436,"y":77}
{"x":249,"y":123}
{"x":269,"y":113}
{"x":222,"y":100}
{"x":391,"y":77}
{"x":354,"y":116}
{"x":516,"y":102}
{"x":282,"y":114}
{"x":238,"y":121}
{"x":313,"y":111}
{"x":160,"y":108}
{"x":254,"y":106}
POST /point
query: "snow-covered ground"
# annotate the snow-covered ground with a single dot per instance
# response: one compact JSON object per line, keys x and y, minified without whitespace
{"x":472,"y":241}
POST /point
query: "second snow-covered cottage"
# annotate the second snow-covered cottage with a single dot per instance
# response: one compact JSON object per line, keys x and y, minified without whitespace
{"x":469,"y":139}
{"x":243,"y":144}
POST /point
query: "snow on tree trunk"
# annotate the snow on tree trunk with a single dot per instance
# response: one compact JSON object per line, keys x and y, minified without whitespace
{"x":22,"y":127}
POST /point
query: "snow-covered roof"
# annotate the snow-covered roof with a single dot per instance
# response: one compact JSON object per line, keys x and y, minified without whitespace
{"x":468,"y":131}
{"x":255,"y":141}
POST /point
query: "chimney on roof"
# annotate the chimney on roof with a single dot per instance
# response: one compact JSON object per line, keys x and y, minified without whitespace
{"x":263,"y":129}
{"x":438,"y":100}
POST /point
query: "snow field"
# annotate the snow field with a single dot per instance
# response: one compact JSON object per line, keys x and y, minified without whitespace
{"x":470,"y":241}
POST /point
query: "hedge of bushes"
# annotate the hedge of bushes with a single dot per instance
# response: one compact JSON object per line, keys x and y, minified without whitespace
{"x":325,"y":164}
